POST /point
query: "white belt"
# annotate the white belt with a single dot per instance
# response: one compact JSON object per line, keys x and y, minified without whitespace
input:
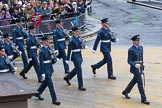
{"x":4,"y":70}
{"x":19,"y":38}
{"x":10,"y":57}
{"x":105,"y":40}
{"x":33,"y":47}
{"x":61,"y":39}
{"x":138,"y":61}
{"x":47,"y":61}
{"x":76,"y":50}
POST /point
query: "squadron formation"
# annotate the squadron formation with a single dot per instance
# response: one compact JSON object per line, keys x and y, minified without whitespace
{"x":43,"y":62}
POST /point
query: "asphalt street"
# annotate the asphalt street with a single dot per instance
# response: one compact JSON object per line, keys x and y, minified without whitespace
{"x":127,"y":20}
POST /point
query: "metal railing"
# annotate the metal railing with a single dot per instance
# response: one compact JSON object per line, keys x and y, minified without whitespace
{"x":47,"y":26}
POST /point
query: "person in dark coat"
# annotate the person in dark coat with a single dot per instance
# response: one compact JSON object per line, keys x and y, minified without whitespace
{"x":10,"y":49}
{"x":106,"y":38}
{"x":18,"y":39}
{"x":32,"y":47}
{"x":47,"y":70}
{"x":135,"y":60}
{"x":74,"y":50}
{"x":60,"y":44}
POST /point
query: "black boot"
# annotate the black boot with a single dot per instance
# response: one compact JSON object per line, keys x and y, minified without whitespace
{"x":39,"y":97}
{"x":67,"y":81}
{"x":82,"y":88}
{"x":112,"y":77}
{"x":126,"y":95}
{"x":145,"y":102}
{"x":67,"y":72}
{"x":23,"y":75}
{"x":56,"y":103}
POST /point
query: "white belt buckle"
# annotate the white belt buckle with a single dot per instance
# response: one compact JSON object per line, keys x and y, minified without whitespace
{"x":105,"y":40}
{"x":61,"y":39}
{"x":33,"y":47}
{"x":76,"y":50}
{"x":19,"y":38}
{"x":47,"y":61}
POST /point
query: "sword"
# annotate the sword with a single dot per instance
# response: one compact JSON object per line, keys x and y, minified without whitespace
{"x":144,"y":82}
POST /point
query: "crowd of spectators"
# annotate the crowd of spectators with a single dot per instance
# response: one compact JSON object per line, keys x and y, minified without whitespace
{"x":39,"y":10}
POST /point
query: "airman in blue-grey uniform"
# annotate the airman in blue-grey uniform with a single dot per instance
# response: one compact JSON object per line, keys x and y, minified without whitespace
{"x":59,"y":44}
{"x":4,"y":67}
{"x":47,"y":70}
{"x":18,"y":39}
{"x":32,"y":46}
{"x":9,"y":48}
{"x":106,"y":38}
{"x":135,"y":60}
{"x":74,"y":50}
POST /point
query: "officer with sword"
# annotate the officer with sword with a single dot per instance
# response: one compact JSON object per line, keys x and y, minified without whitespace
{"x":135,"y":60}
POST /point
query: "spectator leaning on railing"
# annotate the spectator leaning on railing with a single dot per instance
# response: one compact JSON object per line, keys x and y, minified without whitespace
{"x":5,"y":17}
{"x":45,"y":10}
{"x":16,"y":15}
{"x":11,"y":9}
{"x":55,"y":11}
{"x":29,"y":12}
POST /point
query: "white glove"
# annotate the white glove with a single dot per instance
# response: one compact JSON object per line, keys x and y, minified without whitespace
{"x":67,"y":62}
{"x":93,"y":51}
{"x":20,"y":53}
{"x":138,"y":66}
{"x":86,"y":47}
{"x":30,"y":59}
{"x":15,"y":68}
{"x":57,"y":59}
{"x":56,"y":51}
{"x":43,"y":77}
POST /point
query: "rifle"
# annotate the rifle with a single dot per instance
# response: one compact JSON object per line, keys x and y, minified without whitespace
{"x":66,"y":32}
{"x":113,"y":36}
{"x":15,"y":48}
{"x":83,"y":45}
{"x":38,"y":42}
{"x":52,"y":53}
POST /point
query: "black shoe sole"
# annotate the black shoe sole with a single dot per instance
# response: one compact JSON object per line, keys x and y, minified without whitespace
{"x":127,"y":97}
{"x":57,"y":103}
{"x":67,"y":81}
{"x":23,"y":75}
